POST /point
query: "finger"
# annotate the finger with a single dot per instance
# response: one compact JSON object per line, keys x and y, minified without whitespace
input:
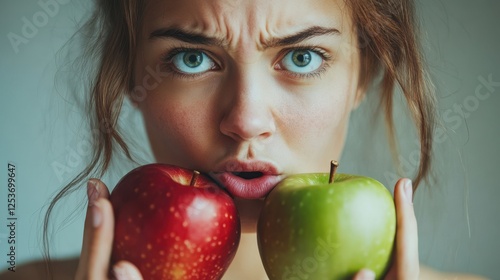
{"x":364,"y":274}
{"x":94,"y":218}
{"x":407,"y":261}
{"x":124,"y":270}
{"x":100,"y":188}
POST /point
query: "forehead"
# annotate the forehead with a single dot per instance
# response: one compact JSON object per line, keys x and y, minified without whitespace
{"x":232,"y":19}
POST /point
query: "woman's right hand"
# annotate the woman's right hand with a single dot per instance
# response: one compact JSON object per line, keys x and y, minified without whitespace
{"x":98,"y":239}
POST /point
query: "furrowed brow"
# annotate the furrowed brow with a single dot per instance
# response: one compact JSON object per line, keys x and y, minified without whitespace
{"x":300,"y":36}
{"x":185,"y":36}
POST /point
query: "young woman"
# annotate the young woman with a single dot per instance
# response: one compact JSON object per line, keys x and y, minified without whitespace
{"x":264,"y":87}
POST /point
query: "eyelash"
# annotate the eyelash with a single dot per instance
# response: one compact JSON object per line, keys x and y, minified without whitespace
{"x":315,"y":74}
{"x":166,"y":62}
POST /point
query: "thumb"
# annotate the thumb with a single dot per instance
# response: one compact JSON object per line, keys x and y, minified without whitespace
{"x":98,"y":234}
{"x":364,"y":274}
{"x":125,"y":270}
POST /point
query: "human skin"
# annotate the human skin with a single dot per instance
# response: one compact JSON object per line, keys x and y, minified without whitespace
{"x":307,"y":120}
{"x":248,"y":107}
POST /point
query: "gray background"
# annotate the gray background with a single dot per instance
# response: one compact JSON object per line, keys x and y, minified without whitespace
{"x":41,"y":132}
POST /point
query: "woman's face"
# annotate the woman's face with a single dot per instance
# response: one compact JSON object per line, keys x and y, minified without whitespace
{"x":247,"y":91}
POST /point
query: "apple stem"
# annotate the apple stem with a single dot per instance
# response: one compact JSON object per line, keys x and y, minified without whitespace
{"x":333,"y":167}
{"x":194,"y":178}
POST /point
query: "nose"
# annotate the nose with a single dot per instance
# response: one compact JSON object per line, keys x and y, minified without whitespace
{"x":249,"y":110}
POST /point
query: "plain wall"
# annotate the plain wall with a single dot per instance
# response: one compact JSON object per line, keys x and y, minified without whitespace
{"x":41,"y":132}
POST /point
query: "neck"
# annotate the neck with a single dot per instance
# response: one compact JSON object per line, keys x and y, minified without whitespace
{"x":246,"y":263}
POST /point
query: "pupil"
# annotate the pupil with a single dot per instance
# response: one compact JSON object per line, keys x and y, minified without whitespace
{"x":302,"y":58}
{"x":193,"y":59}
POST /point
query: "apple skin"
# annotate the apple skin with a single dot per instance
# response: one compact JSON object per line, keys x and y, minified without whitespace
{"x":171,"y":230}
{"x":310,"y":229}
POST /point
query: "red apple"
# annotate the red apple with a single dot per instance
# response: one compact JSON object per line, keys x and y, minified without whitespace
{"x":174,"y":223}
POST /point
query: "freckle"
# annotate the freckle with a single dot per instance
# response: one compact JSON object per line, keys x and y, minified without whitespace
{"x":184,"y":224}
{"x":152,"y":206}
{"x":208,"y":239}
{"x":143,"y":256}
{"x":169,"y":194}
{"x":149,"y":246}
{"x":171,"y":209}
{"x":136,"y":190}
{"x":129,"y":220}
{"x":127,"y":237}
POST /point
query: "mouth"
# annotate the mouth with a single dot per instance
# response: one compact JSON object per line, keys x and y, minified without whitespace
{"x":250,"y":180}
{"x":249,"y":175}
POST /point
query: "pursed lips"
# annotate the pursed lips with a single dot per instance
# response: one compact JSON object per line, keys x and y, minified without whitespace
{"x":248,"y":180}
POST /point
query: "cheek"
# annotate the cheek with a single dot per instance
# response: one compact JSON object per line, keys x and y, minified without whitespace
{"x":180,"y":124}
{"x":315,"y":128}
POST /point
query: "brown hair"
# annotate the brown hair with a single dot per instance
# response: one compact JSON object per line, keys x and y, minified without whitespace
{"x":388,"y":45}
{"x":389,"y":48}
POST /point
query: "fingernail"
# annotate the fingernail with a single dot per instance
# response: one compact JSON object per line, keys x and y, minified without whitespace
{"x":408,"y":191}
{"x":96,"y":214}
{"x":92,"y":191}
{"x":122,"y":273}
{"x":119,"y":273}
{"x":367,"y":274}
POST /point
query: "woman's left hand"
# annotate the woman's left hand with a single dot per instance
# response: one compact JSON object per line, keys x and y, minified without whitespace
{"x":405,"y":262}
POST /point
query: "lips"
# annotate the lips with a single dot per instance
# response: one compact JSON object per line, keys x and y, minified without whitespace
{"x":248,"y":180}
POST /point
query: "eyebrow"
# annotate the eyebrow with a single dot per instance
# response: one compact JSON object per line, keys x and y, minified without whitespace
{"x":185,"y":36}
{"x":201,"y":39}
{"x":300,"y":36}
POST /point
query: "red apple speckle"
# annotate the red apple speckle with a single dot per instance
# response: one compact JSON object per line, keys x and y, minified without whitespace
{"x":171,"y":230}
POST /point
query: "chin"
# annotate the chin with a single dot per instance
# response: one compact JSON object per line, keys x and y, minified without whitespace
{"x":249,"y":210}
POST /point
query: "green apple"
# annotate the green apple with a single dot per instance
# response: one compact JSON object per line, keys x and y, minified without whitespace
{"x":326,"y":226}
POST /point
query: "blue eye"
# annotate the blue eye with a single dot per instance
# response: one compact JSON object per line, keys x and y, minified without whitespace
{"x":302,"y":61}
{"x":192,"y":62}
